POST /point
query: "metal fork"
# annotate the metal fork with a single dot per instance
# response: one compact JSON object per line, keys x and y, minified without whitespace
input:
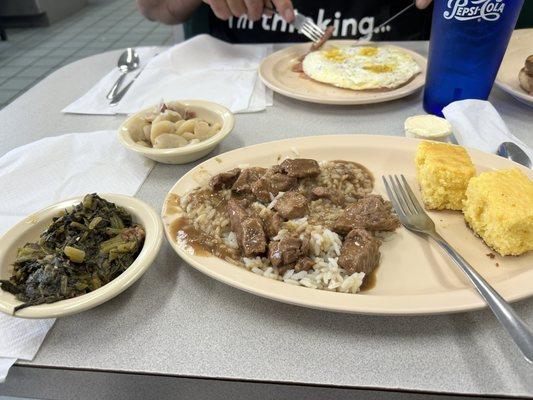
{"x":414,"y":218}
{"x":304,"y":25}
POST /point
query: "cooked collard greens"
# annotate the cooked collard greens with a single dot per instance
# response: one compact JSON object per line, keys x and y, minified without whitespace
{"x":81,"y":250}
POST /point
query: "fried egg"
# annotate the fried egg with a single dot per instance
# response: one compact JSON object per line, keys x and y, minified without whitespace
{"x":360,"y":67}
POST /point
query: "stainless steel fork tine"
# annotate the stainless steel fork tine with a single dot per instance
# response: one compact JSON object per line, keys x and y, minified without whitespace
{"x":315,"y":34}
{"x":399,"y":197}
{"x":408,"y":202}
{"x":412,"y":196}
{"x":311,"y":35}
{"x":307,"y":28}
{"x":392,"y":197}
{"x":314,"y":27}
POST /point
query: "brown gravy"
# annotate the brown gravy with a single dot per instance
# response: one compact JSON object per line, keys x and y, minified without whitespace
{"x":369,"y":174}
{"x":200,"y":243}
{"x":370,"y":281}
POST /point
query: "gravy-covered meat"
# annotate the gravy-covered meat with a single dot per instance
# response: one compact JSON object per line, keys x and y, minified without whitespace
{"x":248,"y":229}
{"x":304,"y":264}
{"x":273,"y":224}
{"x":292,"y":205}
{"x":300,"y":167}
{"x":301,"y":221}
{"x":359,"y":252}
{"x":370,"y":212}
{"x":287,"y":250}
{"x":270,"y":184}
{"x":224,"y":180}
{"x":247,"y":177}
{"x":321,"y":192}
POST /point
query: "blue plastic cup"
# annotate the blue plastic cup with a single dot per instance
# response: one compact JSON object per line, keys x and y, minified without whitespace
{"x":468,"y":41}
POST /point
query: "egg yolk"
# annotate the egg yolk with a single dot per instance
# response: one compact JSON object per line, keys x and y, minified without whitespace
{"x":378,"y":68}
{"x":334,"y":54}
{"x":368,"y":51}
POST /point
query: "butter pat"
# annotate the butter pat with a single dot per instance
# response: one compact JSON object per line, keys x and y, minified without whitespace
{"x":427,"y":127}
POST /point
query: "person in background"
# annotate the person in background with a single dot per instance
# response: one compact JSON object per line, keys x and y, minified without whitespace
{"x":248,"y":21}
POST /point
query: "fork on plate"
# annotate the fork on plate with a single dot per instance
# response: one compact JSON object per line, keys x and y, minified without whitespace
{"x":304,"y":25}
{"x":414,"y":218}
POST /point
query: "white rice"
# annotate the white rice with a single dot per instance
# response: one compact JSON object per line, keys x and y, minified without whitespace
{"x":325,"y":248}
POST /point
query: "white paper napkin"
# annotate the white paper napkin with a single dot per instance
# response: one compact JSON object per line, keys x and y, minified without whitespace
{"x":45,"y":172}
{"x":476,"y":123}
{"x":200,"y":68}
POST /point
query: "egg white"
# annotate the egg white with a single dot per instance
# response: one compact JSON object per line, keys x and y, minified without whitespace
{"x":360,"y":67}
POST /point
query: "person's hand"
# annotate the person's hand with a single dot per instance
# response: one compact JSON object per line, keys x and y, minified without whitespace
{"x":224,"y":9}
{"x":422,"y":3}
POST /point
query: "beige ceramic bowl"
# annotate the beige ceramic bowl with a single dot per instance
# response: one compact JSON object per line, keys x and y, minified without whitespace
{"x":30,"y":229}
{"x":209,"y":111}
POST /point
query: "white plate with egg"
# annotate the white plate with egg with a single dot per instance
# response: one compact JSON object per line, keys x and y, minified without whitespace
{"x":398,"y":72}
{"x":177,"y":132}
{"x":519,"y":48}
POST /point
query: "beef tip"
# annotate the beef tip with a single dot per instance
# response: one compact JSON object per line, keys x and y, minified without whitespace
{"x":285,"y":251}
{"x":270,"y":184}
{"x":321,"y":192}
{"x":304,"y":264}
{"x":236,"y":212}
{"x":274,"y":255}
{"x":273,"y":224}
{"x":359,"y":252}
{"x":370,"y":212}
{"x":292,"y":205}
{"x":225,"y":179}
{"x":253,"y":237}
{"x":246,"y":178}
{"x":300,"y":167}
{"x":277,"y":169}
{"x":248,"y":229}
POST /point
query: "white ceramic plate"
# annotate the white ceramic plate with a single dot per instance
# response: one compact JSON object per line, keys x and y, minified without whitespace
{"x":276,"y":73}
{"x":206,"y":110}
{"x":520,"y":47}
{"x":414,"y":276}
{"x":30,"y":230}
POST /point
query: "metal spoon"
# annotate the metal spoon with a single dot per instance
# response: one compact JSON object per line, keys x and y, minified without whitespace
{"x":127,"y":62}
{"x":514,"y":153}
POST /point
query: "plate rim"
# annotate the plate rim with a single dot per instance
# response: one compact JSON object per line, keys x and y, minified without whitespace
{"x":390,"y":95}
{"x":475,"y":302}
{"x":521,"y":96}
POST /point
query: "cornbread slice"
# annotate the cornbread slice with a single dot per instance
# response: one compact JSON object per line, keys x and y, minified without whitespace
{"x":499,"y":208}
{"x":443,"y":173}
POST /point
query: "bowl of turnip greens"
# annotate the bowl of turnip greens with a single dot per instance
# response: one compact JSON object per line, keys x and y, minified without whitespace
{"x":76,"y":254}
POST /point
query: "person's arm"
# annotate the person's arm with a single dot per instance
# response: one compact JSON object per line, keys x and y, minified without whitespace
{"x":422,"y":3}
{"x":176,"y":11}
{"x":168,"y":11}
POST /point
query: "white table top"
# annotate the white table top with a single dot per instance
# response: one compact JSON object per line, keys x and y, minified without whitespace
{"x":176,"y":321}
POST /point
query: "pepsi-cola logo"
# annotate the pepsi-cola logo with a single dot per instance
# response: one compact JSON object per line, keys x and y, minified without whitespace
{"x":464,"y":10}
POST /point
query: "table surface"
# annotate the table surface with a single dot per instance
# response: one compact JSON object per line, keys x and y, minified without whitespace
{"x":177,"y":321}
